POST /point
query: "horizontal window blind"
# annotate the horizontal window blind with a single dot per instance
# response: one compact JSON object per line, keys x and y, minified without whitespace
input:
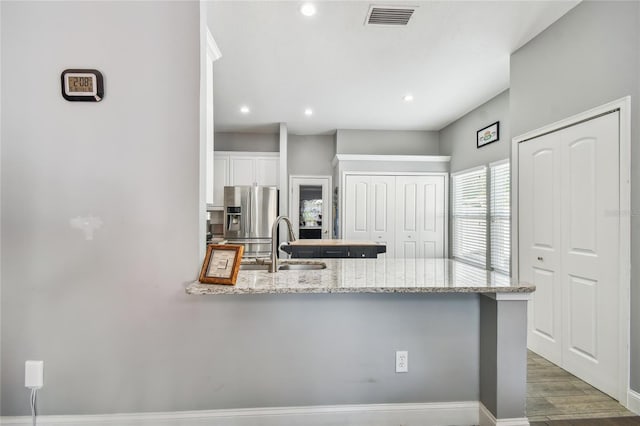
{"x":500,"y":212}
{"x":469,"y":216}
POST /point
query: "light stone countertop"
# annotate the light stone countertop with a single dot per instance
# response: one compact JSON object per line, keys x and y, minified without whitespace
{"x":370,"y":276}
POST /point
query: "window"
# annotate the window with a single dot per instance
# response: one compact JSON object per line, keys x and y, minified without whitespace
{"x":500,"y":213}
{"x":469,"y":217}
{"x":481,"y":216}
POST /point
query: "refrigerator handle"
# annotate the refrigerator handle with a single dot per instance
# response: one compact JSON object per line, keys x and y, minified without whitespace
{"x":248,"y":216}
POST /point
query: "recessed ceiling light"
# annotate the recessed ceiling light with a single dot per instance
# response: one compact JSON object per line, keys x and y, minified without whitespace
{"x":308,"y":9}
{"x":308,"y":112}
{"x":407,"y":98}
{"x":244,"y":109}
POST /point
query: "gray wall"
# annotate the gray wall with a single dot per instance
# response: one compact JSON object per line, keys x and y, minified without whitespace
{"x":387,"y":142}
{"x":258,"y":142}
{"x":589,"y":57}
{"x":311,"y":155}
{"x":458,"y":139}
{"x":109,"y":316}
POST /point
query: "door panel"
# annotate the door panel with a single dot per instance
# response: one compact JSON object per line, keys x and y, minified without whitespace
{"x":582,"y":317}
{"x":383,"y":190}
{"x":590,"y":242}
{"x":582,"y":198}
{"x":543,"y":318}
{"x":356,"y":209}
{"x":539,"y":230}
{"x":430,"y":207}
{"x":543,"y":198}
{"x":433,"y":207}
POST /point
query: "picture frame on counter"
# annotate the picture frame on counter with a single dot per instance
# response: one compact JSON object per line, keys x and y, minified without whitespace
{"x":488,"y":134}
{"x":221,"y":264}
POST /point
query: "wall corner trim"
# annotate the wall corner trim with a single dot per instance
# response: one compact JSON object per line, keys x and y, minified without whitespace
{"x":486,"y":418}
{"x":425,"y":414}
{"x":633,"y":401}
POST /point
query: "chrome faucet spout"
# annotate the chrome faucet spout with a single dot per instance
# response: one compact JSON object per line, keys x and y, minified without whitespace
{"x":274,"y":238}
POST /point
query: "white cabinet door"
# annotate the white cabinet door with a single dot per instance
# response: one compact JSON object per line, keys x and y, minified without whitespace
{"x":357,"y":208}
{"x":569,"y":238}
{"x":267,"y":171}
{"x":220,"y":178}
{"x":420,"y":217}
{"x":382,"y":211}
{"x":242,"y":171}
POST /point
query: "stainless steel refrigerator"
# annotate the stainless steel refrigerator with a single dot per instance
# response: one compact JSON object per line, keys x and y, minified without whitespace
{"x":249,"y":212}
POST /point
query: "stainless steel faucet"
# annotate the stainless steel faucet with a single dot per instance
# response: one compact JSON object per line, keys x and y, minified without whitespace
{"x":274,"y":241}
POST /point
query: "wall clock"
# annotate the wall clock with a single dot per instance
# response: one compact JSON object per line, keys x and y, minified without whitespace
{"x":82,"y":85}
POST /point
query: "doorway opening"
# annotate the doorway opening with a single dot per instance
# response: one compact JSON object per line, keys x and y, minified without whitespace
{"x":310,"y":207}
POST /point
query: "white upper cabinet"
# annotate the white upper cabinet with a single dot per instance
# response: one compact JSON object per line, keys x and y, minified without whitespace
{"x":243,"y":168}
{"x":267,"y":171}
{"x":220,"y":178}
{"x":243,"y":171}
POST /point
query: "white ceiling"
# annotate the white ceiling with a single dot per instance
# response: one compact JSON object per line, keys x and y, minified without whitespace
{"x":453,"y":56}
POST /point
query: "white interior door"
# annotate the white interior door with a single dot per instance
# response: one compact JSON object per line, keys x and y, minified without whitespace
{"x":569,"y":238}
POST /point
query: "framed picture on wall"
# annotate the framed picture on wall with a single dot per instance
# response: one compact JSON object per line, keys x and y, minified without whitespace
{"x":489,"y":134}
{"x":221,"y":264}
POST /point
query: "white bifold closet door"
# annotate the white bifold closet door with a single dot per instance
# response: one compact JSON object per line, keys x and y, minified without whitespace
{"x":420,"y":216}
{"x":370,"y":210}
{"x":568,"y":247}
{"x":407,"y":213}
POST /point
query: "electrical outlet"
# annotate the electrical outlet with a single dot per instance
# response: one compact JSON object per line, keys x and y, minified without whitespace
{"x":402,"y":361}
{"x":34,"y":374}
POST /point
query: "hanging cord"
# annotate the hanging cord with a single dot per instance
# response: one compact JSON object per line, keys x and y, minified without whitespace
{"x":34,"y":400}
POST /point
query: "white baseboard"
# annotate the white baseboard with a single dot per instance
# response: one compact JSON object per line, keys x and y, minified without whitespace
{"x":427,"y":414}
{"x":488,"y":419}
{"x":633,"y":401}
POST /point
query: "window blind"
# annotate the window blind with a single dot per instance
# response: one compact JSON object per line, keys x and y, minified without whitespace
{"x":500,"y":212}
{"x":469,"y":216}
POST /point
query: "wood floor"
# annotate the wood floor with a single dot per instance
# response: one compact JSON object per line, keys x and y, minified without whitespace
{"x":557,"y":398}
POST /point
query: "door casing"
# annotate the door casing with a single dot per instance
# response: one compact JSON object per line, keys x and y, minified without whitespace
{"x":622,"y":105}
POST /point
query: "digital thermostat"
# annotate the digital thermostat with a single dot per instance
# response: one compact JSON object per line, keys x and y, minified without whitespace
{"x":82,"y":85}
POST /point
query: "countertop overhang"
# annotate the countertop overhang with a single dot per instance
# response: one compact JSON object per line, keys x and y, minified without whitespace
{"x":373,"y":276}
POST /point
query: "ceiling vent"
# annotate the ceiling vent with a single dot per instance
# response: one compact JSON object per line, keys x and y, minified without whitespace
{"x":389,"y":15}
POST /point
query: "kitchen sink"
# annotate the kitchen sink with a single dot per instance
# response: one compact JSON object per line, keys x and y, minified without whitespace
{"x":302,"y":266}
{"x":254,"y":267}
{"x":288,"y":266}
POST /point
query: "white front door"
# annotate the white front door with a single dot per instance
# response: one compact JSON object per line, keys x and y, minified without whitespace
{"x":569,"y":239}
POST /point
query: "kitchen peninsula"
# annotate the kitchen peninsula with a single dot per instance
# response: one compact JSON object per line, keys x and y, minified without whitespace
{"x":474,"y":328}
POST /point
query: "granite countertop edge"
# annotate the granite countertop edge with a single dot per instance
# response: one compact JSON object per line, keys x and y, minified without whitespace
{"x":199,"y":289}
{"x":344,"y":276}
